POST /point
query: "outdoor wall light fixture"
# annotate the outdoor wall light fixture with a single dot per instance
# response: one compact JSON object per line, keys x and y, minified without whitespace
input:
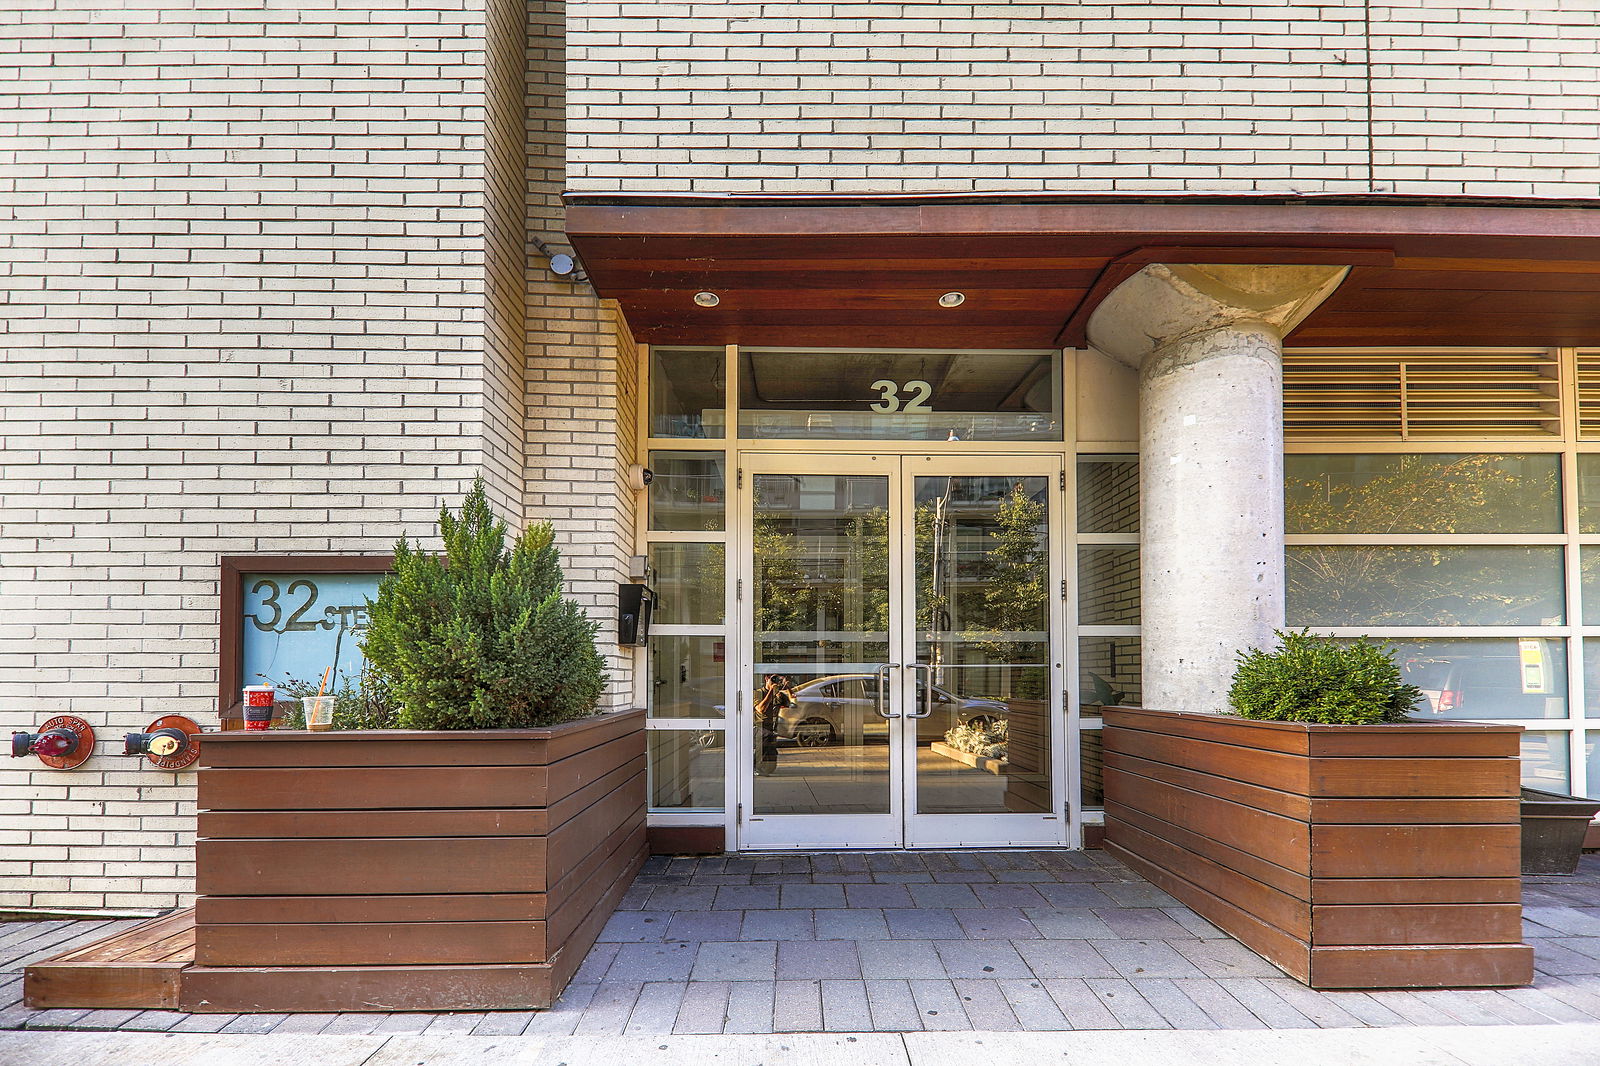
{"x":707,"y":299}
{"x":64,"y":742}
{"x":952,"y":299}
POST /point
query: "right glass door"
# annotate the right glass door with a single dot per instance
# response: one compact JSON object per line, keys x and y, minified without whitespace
{"x":983,"y":689}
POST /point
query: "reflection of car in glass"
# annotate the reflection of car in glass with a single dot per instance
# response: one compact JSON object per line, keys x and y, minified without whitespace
{"x":845,"y":707}
{"x":1493,"y":686}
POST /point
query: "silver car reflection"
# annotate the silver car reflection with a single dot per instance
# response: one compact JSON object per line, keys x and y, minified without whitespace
{"x":844,"y":708}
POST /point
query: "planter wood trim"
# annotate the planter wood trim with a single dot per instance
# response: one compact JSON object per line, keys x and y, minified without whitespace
{"x":398,"y":870}
{"x":1351,"y":856}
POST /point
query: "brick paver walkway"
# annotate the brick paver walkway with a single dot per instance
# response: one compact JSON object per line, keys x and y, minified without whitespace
{"x":903,"y":941}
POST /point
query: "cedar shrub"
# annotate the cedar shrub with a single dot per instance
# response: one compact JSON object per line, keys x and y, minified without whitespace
{"x":1317,"y":679}
{"x":480,"y":637}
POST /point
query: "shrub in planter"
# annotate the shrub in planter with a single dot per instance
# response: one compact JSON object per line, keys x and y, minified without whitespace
{"x":480,"y":637}
{"x":1320,"y":680}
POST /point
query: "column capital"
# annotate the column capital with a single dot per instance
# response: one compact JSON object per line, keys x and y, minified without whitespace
{"x":1165,"y":303}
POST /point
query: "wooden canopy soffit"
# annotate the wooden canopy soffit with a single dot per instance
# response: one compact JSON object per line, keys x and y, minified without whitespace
{"x":829,"y":273}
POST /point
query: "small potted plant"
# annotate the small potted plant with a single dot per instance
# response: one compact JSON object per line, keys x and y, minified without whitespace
{"x":460,"y":837}
{"x":1347,"y":842}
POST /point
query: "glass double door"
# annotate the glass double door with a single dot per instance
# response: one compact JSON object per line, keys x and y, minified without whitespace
{"x":901,"y":623}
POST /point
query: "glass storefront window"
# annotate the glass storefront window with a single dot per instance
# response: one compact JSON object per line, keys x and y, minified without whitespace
{"x":1486,"y":677}
{"x":687,"y":393}
{"x":1422,"y":493}
{"x":1544,"y":761}
{"x":689,"y":583}
{"x":689,"y":491}
{"x":1383,"y":585}
{"x":1108,"y":494}
{"x":1089,"y":756}
{"x":1589,"y":492}
{"x":897,"y":395}
{"x":1108,"y":586}
{"x":686,"y":677}
{"x":687,"y":769}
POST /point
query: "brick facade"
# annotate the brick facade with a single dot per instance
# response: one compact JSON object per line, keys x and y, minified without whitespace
{"x":1330,"y":97}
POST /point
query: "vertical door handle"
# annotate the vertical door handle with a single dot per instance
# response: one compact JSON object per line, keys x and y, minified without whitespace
{"x":883,"y":674}
{"x":927,"y":689}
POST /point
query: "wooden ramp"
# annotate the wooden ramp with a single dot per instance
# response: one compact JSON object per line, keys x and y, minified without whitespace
{"x":135,"y":968}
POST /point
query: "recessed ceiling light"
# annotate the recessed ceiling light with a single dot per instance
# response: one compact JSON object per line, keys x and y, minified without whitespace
{"x":707,"y":299}
{"x":952,"y":299}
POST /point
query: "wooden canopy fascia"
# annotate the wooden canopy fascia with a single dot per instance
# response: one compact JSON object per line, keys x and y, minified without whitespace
{"x":837,"y":271}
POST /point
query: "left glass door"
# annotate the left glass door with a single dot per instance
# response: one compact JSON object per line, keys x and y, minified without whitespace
{"x":820,"y":603}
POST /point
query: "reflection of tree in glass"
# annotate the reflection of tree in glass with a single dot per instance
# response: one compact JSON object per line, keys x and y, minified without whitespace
{"x":1434,"y":585}
{"x":831,"y":577}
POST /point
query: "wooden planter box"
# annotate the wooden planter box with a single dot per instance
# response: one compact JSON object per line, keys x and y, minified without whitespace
{"x":1351,"y":856}
{"x":393,"y":870}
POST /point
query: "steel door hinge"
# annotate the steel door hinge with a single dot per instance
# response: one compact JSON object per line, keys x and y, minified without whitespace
{"x":1063,"y":475}
{"x":738,"y":701}
{"x":738,"y":589}
{"x":738,"y":478}
{"x":1066,"y":590}
{"x":739,"y":813}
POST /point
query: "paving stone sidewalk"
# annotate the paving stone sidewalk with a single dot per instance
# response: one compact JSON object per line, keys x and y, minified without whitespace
{"x":908,"y":941}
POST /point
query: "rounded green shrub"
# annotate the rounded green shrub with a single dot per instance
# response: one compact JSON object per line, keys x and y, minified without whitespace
{"x":1318,"y":679}
{"x":480,"y":637}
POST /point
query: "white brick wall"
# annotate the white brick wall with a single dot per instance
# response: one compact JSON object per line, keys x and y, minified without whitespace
{"x":261,"y":290}
{"x":719,"y":96}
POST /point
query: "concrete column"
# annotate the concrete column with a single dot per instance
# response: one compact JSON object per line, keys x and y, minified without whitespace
{"x":1208,"y":344}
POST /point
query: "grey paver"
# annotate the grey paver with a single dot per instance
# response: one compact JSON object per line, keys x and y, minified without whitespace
{"x":877,"y":896}
{"x":1140,"y":923}
{"x":1083,"y":1008}
{"x":354,"y":1024}
{"x":1063,"y":958}
{"x":1013,"y":897}
{"x":635,"y":926}
{"x":740,"y":960}
{"x":596,"y":963}
{"x":1137,"y":894}
{"x":1260,"y":1000}
{"x":704,"y":1007}
{"x":777,"y":925}
{"x":938,"y":1005}
{"x":1126,"y":1004}
{"x":797,"y":1007}
{"x":899,"y":960}
{"x":844,"y":1007}
{"x":864,"y":924}
{"x":304,"y":1023}
{"x":811,"y":897}
{"x":892,"y":1006}
{"x":1220,"y":1006}
{"x":986,"y":1005}
{"x":818,"y":960}
{"x":1145,"y":958}
{"x":608,"y":1012}
{"x":746,"y":898}
{"x":655,"y":1011}
{"x":1224,"y":958}
{"x":929,"y":924}
{"x":1166,"y":995}
{"x":561,"y":1019}
{"x":942,"y":896}
{"x":638,"y":963}
{"x":996,"y":923}
{"x":980,"y":959}
{"x":682,"y":898}
{"x":1323,"y":1008}
{"x":705,"y":925}
{"x":750,"y":1006}
{"x":1032,"y":1005}
{"x":1071,"y":923}
{"x":1412,"y":1009}
{"x":504,"y":1023}
{"x":447,"y":1024}
{"x":1194,"y":924}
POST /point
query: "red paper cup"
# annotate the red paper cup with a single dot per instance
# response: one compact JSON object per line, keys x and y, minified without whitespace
{"x":258,"y":701}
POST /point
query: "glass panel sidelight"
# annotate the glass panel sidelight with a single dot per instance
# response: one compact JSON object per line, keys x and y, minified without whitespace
{"x":981,"y":703}
{"x":822,"y":613}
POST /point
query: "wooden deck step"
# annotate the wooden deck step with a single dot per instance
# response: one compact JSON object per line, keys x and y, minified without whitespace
{"x":134,"y":968}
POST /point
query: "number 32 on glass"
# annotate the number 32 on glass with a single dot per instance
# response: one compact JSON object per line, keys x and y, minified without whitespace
{"x":889,"y":401}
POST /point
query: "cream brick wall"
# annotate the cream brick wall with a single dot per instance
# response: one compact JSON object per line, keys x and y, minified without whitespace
{"x":1485,"y":98}
{"x":261,"y":290}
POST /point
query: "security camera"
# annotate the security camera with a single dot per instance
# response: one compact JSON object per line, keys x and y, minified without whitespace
{"x":639,"y":477}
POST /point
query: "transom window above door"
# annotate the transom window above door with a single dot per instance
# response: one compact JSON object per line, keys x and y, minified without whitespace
{"x":835,"y":394}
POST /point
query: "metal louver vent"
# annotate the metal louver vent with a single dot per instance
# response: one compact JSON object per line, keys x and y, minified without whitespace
{"x":1588,"y":395}
{"x":1426,"y":395}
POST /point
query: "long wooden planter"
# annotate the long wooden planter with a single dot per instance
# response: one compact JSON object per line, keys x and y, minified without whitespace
{"x":1351,"y":856}
{"x":392,"y":870}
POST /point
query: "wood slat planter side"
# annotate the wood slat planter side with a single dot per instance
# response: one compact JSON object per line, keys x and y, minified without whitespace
{"x":1350,"y":856}
{"x":390,"y":870}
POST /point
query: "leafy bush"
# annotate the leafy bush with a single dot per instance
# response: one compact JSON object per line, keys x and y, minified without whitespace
{"x":976,"y":739}
{"x":481,"y":637}
{"x":1316,"y":679}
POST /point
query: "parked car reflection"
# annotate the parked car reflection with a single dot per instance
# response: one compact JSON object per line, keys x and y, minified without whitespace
{"x":844,"y":708}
